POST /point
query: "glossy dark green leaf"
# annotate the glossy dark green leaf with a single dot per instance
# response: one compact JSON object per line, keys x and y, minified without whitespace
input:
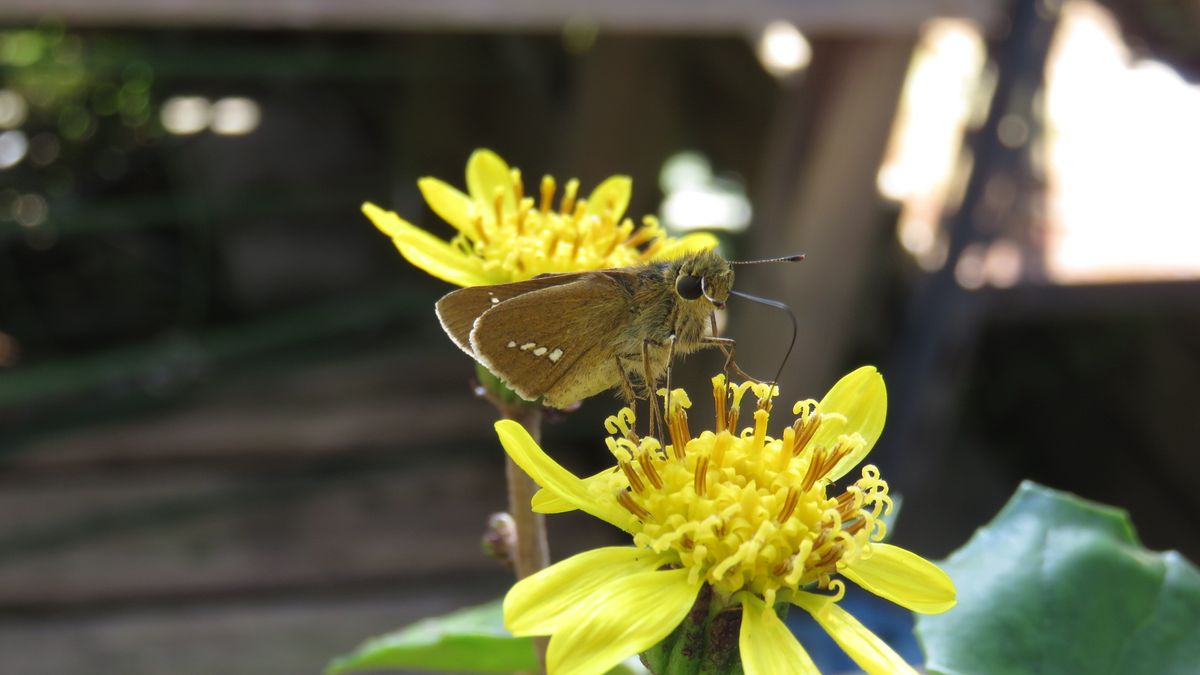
{"x":1058,"y":584}
{"x":469,"y":640}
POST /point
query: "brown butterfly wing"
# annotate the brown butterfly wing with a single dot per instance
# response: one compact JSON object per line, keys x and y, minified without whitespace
{"x":458,"y":310}
{"x":559,"y":342}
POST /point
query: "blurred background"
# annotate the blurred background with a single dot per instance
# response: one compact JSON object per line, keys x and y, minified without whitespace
{"x":234,"y":439}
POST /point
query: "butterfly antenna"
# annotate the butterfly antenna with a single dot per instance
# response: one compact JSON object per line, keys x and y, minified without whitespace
{"x":777,"y":305}
{"x":787,"y":258}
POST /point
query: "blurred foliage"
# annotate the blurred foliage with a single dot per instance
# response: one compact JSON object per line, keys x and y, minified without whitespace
{"x":468,"y":640}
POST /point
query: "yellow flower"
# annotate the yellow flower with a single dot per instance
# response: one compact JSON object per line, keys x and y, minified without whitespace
{"x":504,"y":235}
{"x":751,"y":516}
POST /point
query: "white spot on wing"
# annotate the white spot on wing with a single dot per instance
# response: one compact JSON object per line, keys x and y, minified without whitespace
{"x":511,"y":344}
{"x":495,"y":301}
{"x":539,"y":351}
{"x":556,"y":355}
{"x":527,"y":346}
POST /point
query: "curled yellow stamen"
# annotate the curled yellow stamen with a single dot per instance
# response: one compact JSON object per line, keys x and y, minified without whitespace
{"x":621,"y":423}
{"x":739,"y":390}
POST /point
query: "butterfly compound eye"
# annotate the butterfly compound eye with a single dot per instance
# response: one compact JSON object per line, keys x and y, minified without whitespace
{"x":689,"y":286}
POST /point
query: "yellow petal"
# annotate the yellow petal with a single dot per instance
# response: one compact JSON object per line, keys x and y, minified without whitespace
{"x":607,"y":481}
{"x":868,"y":651}
{"x":612,"y":194}
{"x":862,"y":398}
{"x":552,"y":476}
{"x":386,"y":222}
{"x":903,"y":577}
{"x":630,"y":617}
{"x":486,"y":171}
{"x":541,"y":602}
{"x":767,"y":646}
{"x":697,"y":241}
{"x":426,"y":251}
{"x":453,"y":206}
{"x":545,"y":501}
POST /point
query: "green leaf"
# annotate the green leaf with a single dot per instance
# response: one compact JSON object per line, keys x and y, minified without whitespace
{"x":1058,"y":584}
{"x":469,"y":640}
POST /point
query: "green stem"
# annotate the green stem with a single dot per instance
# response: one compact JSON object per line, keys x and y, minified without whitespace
{"x":721,"y":655}
{"x":688,"y":649}
{"x":530,"y":552}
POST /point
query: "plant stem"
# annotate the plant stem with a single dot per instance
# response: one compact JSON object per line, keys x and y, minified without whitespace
{"x":532,"y":553}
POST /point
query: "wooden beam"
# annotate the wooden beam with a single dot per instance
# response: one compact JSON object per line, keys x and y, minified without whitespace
{"x":826,"y":206}
{"x":674,"y":16}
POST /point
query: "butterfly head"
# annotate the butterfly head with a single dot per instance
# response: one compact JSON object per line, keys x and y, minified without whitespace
{"x":704,"y":276}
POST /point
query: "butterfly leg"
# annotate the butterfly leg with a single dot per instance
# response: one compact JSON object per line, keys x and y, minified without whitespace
{"x":627,"y":391}
{"x":656,"y":421}
{"x":728,"y":347}
{"x":670,"y":361}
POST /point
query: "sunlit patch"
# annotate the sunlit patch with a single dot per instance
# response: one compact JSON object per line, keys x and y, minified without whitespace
{"x":1121,"y":157}
{"x":12,"y":109}
{"x":696,"y":199}
{"x":235,"y":116}
{"x":1117,"y":145}
{"x":941,"y":94}
{"x":782,"y":49}
{"x":185,"y":115}
{"x":13,"y":148}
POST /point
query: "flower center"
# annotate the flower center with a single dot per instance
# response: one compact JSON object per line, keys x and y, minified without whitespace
{"x":747,"y":511}
{"x":536,"y":237}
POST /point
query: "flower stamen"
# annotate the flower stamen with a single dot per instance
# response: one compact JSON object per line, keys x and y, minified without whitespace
{"x":635,"y":481}
{"x":789,"y":505}
{"x":806,"y":427}
{"x":650,"y":472}
{"x":625,"y":499}
{"x":822,"y":462}
{"x":547,"y":190}
{"x":719,"y":403}
{"x":567,"y":206}
{"x":700,"y":477}
{"x":514,"y":177}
